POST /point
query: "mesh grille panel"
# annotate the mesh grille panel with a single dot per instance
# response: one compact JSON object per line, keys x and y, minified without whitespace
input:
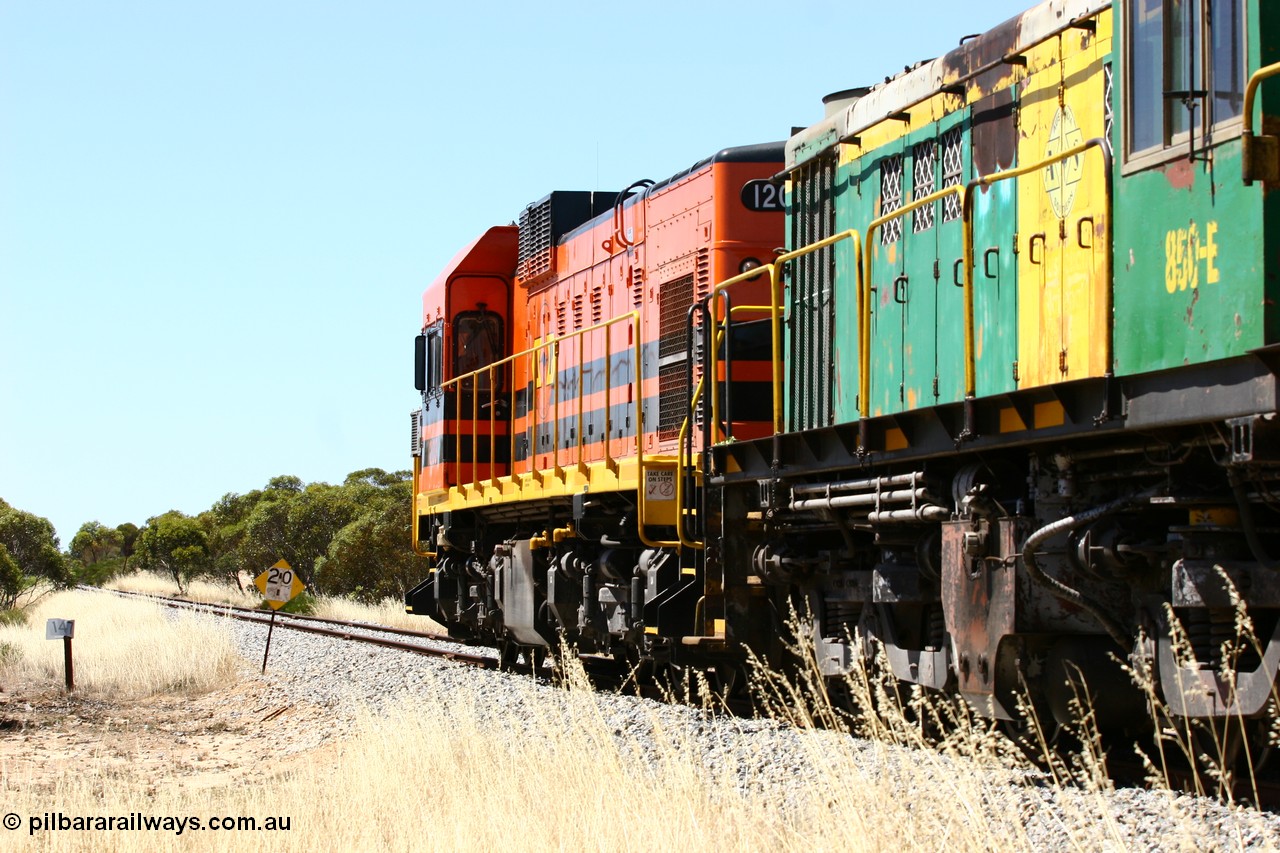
{"x":952,"y":172}
{"x":1108,"y":110}
{"x":891,"y":197}
{"x":811,"y":308}
{"x":924,"y":158}
{"x":674,"y":302}
{"x":533,"y":257}
{"x":673,"y":400}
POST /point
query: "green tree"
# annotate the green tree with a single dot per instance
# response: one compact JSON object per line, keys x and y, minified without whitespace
{"x":95,"y":542}
{"x":315,"y":516}
{"x":176,"y":544}
{"x":285,"y":483}
{"x":225,"y":524}
{"x":32,"y":545}
{"x":370,"y":558}
{"x":13,"y":582}
{"x":376,"y":477}
{"x":128,"y":536}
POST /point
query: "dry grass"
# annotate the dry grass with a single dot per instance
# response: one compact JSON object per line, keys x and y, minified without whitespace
{"x":389,"y":611}
{"x":205,"y":592}
{"x":121,"y":648}
{"x":452,"y":772}
{"x":447,"y":773}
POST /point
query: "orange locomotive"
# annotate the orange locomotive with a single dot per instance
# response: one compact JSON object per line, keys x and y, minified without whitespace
{"x":564,"y":403}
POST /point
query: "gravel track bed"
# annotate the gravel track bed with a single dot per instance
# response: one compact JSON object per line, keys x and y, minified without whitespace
{"x":351,"y":680}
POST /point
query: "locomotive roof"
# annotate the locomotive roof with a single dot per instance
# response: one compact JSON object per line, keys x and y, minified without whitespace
{"x":926,"y":79}
{"x":762,"y":152}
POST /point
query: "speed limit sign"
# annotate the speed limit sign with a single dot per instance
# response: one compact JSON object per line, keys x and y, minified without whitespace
{"x":279,"y":584}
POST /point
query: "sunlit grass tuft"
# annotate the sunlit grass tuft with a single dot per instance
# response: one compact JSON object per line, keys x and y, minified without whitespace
{"x":122,"y":647}
{"x":389,"y":611}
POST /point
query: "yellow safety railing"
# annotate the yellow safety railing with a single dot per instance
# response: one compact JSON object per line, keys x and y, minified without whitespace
{"x":970,"y":364}
{"x":551,"y":348}
{"x":863,"y":264}
{"x":864,"y":297}
{"x":1247,"y":137}
{"x":722,"y":329}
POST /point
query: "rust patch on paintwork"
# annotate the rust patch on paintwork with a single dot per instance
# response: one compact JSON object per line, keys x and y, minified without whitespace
{"x":1191,"y":309}
{"x":1180,"y":174}
{"x":995,"y":141}
{"x":1239,"y":326}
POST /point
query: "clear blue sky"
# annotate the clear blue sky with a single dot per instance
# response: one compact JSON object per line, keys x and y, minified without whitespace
{"x":216,"y":219}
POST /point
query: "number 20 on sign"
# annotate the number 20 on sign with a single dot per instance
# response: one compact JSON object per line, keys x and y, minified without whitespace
{"x":279,"y":584}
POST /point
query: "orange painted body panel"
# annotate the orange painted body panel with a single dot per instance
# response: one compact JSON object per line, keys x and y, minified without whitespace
{"x":661,"y":250}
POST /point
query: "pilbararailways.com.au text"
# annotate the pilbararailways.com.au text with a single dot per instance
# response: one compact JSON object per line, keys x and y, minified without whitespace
{"x":139,"y":822}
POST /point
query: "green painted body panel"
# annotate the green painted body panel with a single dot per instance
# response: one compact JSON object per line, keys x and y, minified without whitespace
{"x":1195,"y":249}
{"x":995,"y":288}
{"x":1194,"y":272}
{"x":917,"y":346}
{"x":1189,"y":283}
{"x":949,"y":329}
{"x":850,"y":203}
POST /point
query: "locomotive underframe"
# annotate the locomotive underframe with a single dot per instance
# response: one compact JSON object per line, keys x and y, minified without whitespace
{"x":941,"y":553}
{"x":535,"y":574}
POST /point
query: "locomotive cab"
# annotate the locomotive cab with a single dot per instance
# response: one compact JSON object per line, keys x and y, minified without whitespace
{"x":460,"y":367}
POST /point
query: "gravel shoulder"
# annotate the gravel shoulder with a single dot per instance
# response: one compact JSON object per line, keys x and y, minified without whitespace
{"x":317,"y":691}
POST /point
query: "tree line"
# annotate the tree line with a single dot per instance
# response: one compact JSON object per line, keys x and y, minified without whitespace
{"x":351,"y":539}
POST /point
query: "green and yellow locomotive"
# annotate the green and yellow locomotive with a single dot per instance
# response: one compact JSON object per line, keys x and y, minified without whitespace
{"x":1031,"y":328}
{"x":1004,"y":407}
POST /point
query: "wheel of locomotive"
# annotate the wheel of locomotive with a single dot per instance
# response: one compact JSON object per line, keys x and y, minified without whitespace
{"x":637,"y":671}
{"x":728,"y":680}
{"x":1231,"y":755}
{"x":508,"y":654}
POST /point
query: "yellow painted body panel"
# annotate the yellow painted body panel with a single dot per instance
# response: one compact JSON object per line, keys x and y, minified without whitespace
{"x":658,"y":498}
{"x":1061,"y":208}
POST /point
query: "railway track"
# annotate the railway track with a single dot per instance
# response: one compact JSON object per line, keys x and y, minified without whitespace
{"x":605,"y":674}
{"x":420,"y":642}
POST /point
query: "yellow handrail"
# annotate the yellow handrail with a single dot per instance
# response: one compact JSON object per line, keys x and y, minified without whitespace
{"x":491,"y":371}
{"x":864,"y":297}
{"x":1251,"y":89}
{"x":773,"y":270}
{"x":1246,"y":129}
{"x":970,"y":368}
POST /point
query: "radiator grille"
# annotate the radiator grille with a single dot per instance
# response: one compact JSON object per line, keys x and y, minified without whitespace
{"x":891,"y":197}
{"x":673,"y":392}
{"x":674,"y":302}
{"x":673,"y":348}
{"x":704,"y":273}
{"x":636,"y":283}
{"x":812,"y":310}
{"x":952,"y":172}
{"x":533,"y":258}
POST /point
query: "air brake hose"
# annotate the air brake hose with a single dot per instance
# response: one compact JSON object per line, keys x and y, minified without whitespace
{"x":1068,"y":593}
{"x":1248,"y":523}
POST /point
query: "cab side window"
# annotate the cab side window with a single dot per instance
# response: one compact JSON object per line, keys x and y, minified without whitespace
{"x":1186,"y":61}
{"x":477,"y":343}
{"x":435,"y":357}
